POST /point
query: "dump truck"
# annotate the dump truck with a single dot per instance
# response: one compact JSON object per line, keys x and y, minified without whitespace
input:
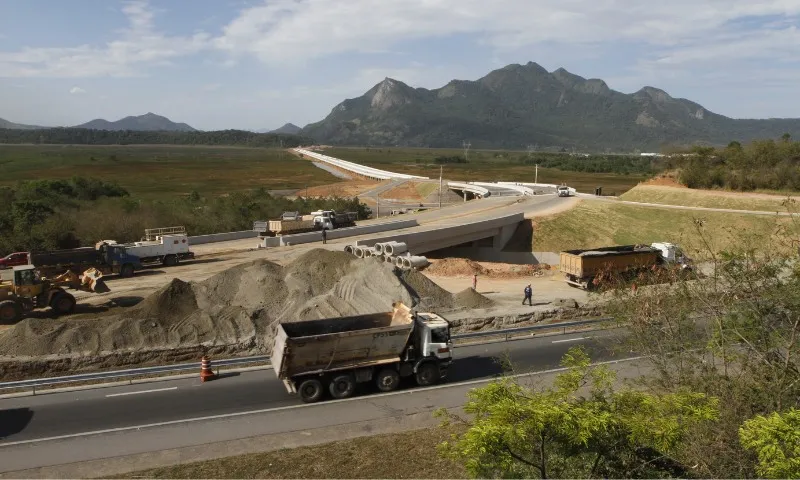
{"x":330,"y":219}
{"x":106,"y":257}
{"x":335,"y":354}
{"x":28,"y":289}
{"x":582,"y":267}
{"x":167,"y":250}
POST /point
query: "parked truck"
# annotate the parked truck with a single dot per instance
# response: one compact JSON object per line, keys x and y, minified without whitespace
{"x":105,"y":257}
{"x":582,"y":267}
{"x":330,"y":219}
{"x":167,"y":250}
{"x":293,"y":222}
{"x":334,"y":354}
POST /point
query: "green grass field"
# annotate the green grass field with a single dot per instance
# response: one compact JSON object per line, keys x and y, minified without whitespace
{"x":707,"y":198}
{"x":594,"y":224}
{"x":484,"y":165}
{"x":163,"y":170}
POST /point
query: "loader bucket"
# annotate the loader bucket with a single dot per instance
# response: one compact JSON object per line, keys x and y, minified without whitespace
{"x":92,"y":281}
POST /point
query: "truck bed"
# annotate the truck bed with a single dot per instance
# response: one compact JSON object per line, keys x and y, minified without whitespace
{"x":337,"y":343}
{"x":582,"y":264}
{"x":73,"y":256}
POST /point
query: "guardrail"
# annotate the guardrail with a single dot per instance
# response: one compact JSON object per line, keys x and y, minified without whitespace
{"x":138,"y":372}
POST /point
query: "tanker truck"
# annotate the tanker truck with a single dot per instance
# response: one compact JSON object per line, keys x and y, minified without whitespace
{"x":332,"y":355}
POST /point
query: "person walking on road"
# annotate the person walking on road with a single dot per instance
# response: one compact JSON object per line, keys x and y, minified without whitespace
{"x":475,"y":282}
{"x":324,"y":236}
{"x":528,"y":295}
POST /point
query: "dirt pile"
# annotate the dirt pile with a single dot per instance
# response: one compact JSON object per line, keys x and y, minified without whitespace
{"x":455,"y":267}
{"x":235,"y":309}
{"x":469,"y":298}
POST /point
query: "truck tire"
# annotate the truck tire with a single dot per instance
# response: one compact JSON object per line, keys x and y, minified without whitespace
{"x":9,"y":312}
{"x":387,"y":380}
{"x":170,"y":260}
{"x":310,"y":390}
{"x":62,"y":303}
{"x":427,"y":374}
{"x":126,"y":270}
{"x":342,"y":386}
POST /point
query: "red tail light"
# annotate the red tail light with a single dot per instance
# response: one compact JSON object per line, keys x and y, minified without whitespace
{"x":444,"y":350}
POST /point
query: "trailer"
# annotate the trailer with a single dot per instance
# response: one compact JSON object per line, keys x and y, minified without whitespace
{"x":167,"y":250}
{"x":582,"y":267}
{"x":335,"y":354}
{"x":106,"y":258}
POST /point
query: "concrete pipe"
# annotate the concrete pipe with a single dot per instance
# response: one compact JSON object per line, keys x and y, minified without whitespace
{"x":406,"y":262}
{"x":398,"y":261}
{"x":395,"y":248}
{"x":388,"y":258}
{"x":417,"y":261}
{"x":378,"y":248}
{"x":348,"y":249}
{"x":358,"y":252}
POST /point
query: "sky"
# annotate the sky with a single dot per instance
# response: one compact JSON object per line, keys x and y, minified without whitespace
{"x":248,"y":64}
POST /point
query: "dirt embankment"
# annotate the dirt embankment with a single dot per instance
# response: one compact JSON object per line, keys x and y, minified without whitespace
{"x":452,"y":267}
{"x":233,"y":312}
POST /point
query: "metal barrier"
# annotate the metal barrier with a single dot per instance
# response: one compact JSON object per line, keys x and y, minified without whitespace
{"x":135,"y":372}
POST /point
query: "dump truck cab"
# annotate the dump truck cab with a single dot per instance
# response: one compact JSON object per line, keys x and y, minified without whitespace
{"x":672,"y":254}
{"x":432,"y":334}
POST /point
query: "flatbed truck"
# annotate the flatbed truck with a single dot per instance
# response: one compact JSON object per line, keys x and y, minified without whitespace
{"x":333,"y":355}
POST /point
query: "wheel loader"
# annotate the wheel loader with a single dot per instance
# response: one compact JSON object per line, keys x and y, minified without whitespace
{"x":28,"y":290}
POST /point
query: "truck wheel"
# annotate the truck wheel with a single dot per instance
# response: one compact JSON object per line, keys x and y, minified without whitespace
{"x":126,"y":270}
{"x":427,"y":374}
{"x":342,"y":386}
{"x":387,"y":380}
{"x":310,"y":390}
{"x":9,"y":312}
{"x":63,"y":303}
{"x":170,"y":260}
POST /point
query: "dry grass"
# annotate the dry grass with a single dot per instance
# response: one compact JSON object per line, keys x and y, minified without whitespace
{"x":595,"y":224}
{"x":705,"y":198}
{"x":400,"y":455}
{"x":425,"y":189}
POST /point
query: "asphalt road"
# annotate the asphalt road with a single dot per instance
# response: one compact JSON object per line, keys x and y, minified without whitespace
{"x":31,"y":426}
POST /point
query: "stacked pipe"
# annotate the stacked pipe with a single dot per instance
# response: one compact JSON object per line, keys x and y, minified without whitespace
{"x":395,"y":253}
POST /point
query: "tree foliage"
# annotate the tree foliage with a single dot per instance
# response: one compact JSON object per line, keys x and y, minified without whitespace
{"x":762,"y":164}
{"x":775,"y":439}
{"x":85,"y":136}
{"x":52,"y":214}
{"x":732,"y":332}
{"x":581,"y":427}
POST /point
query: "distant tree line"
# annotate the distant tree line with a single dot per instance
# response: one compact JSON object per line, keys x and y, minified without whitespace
{"x":55,"y":214}
{"x":762,"y":164}
{"x":85,"y":136}
{"x":441,"y":160}
{"x":619,"y":164}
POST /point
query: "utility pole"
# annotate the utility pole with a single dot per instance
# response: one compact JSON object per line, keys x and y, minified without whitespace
{"x":536,"y":177}
{"x":466,"y":146}
{"x":440,"y":186}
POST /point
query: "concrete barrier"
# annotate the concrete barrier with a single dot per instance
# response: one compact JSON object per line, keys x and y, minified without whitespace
{"x":221,"y":237}
{"x":309,"y":237}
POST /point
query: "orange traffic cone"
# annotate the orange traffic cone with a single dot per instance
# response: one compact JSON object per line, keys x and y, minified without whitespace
{"x":205,"y":369}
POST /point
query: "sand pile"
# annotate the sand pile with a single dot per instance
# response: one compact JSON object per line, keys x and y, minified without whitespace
{"x":458,"y":267}
{"x":469,"y":298}
{"x":237,"y":307}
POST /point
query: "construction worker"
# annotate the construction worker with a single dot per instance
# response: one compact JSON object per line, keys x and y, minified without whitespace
{"x":324,"y":236}
{"x":475,"y":282}
{"x":528,"y":295}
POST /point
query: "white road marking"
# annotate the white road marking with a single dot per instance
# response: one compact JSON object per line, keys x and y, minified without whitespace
{"x":297,"y":407}
{"x":569,"y":340}
{"x":141,"y":391}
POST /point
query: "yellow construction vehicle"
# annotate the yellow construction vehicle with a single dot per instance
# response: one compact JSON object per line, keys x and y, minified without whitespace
{"x":28,"y":290}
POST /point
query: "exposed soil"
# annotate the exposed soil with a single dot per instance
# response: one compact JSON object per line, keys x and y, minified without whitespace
{"x":405,"y":191}
{"x":452,"y":267}
{"x":350,"y":188}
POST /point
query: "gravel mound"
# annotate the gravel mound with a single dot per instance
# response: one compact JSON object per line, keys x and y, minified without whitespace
{"x":469,"y":298}
{"x":464,"y":267}
{"x":236,"y":308}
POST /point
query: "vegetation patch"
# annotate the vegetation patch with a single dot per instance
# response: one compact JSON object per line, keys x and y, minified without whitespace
{"x":706,"y":198}
{"x":400,"y":455}
{"x":593,"y":224}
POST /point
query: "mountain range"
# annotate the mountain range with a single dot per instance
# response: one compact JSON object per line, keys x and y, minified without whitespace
{"x":18,"y":126}
{"x":521,"y":105}
{"x":147,"y":122}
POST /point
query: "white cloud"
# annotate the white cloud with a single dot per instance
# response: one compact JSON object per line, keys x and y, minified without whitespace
{"x":139,"y":45}
{"x":76,"y":90}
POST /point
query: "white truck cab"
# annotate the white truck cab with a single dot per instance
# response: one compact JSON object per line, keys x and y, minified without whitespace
{"x":435,"y":336}
{"x":672,"y":253}
{"x":563,"y":191}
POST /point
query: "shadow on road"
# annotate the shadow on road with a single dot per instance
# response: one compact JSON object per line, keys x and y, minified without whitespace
{"x":14,"y":421}
{"x":473,"y":368}
{"x":124,"y":301}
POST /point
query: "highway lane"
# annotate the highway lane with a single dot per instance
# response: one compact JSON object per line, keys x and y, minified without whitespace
{"x":68,"y":413}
